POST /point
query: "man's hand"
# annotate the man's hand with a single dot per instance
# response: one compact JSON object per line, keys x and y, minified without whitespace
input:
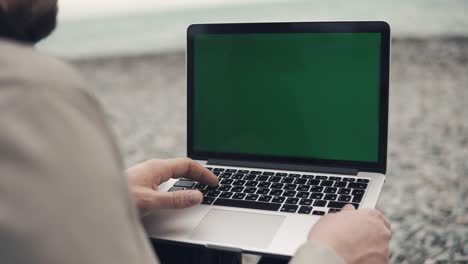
{"x":144,"y":179}
{"x":357,"y":236}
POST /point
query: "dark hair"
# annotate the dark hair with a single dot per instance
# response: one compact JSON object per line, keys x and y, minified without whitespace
{"x":28,"y":25}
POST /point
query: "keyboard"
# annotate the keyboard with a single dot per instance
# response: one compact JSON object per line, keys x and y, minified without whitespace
{"x":279,"y":191}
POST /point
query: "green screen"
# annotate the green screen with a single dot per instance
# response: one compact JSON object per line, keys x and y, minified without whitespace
{"x":303,"y":95}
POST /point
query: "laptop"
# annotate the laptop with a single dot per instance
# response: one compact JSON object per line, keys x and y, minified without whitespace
{"x":292,"y":118}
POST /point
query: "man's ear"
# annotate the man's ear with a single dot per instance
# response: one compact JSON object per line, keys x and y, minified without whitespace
{"x":3,"y":5}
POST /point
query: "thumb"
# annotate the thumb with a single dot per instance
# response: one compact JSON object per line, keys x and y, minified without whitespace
{"x":348,"y":207}
{"x":177,"y":200}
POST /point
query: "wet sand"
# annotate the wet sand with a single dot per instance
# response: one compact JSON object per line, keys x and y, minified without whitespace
{"x":426,"y":194}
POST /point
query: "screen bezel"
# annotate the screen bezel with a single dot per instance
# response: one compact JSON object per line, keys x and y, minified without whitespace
{"x":295,"y":27}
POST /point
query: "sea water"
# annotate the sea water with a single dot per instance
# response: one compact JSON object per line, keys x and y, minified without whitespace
{"x":164,"y":31}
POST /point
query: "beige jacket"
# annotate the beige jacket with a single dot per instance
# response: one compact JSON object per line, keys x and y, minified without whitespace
{"x":63,"y":196}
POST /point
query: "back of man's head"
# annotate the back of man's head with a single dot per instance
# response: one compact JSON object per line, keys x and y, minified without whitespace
{"x":28,"y":20}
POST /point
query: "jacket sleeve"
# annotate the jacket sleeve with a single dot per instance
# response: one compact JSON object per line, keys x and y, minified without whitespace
{"x":313,"y":252}
{"x":63,"y":195}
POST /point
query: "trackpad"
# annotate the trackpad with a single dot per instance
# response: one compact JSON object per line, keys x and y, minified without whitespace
{"x":238,"y":228}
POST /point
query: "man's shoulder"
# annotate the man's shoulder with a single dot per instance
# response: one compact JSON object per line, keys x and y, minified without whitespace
{"x":23,"y":67}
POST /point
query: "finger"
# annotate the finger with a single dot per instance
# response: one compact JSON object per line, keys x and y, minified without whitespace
{"x":348,"y":207}
{"x":176,"y":200}
{"x":193,"y":170}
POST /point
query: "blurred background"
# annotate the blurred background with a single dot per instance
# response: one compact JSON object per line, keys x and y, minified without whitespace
{"x":132,"y":55}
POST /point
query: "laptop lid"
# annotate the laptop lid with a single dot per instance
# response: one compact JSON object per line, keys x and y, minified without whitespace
{"x":313,"y":93}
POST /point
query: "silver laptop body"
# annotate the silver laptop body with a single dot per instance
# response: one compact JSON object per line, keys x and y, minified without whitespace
{"x":261,"y":222}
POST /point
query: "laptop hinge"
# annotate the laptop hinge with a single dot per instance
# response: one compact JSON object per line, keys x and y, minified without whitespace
{"x":282,"y":166}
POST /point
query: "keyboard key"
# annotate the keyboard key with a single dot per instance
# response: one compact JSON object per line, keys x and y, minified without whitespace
{"x":239,"y":196}
{"x":344,"y":198}
{"x":268,"y":173}
{"x":313,"y":182}
{"x":213,"y":193}
{"x":243,"y":171}
{"x":238,"y":176}
{"x":330,"y":190}
{"x":335,"y":179}
{"x":217,"y":173}
{"x":317,"y":189}
{"x":225,"y":175}
{"x":226,"y":195}
{"x":277,"y":186}
{"x":208,"y":200}
{"x":218,"y":169}
{"x":264,"y":185}
{"x":362,"y":180}
{"x":348,"y":179}
{"x":305,"y":202}
{"x":262,"y":178}
{"x":250,"y":177}
{"x":231,"y":170}
{"x":290,"y":187}
{"x":287,"y":180}
{"x":237,"y":189}
{"x":251,"y":197}
{"x":321,"y":177}
{"x":289,"y":193}
{"x":303,"y":188}
{"x":333,"y":210}
{"x":357,"y":198}
{"x":263,"y":191}
{"x":300,"y":181}
{"x":344,"y":191}
{"x":227,"y":181}
{"x":320,"y":203}
{"x":276,"y":192}
{"x":265,"y":198}
{"x":316,"y":196}
{"x":185,"y":184}
{"x":274,"y":179}
{"x":225,"y":188}
{"x":357,"y":185}
{"x":326,"y":183}
{"x":315,"y":212}
{"x":175,"y":188}
{"x":358,"y":192}
{"x":209,"y":168}
{"x":250,"y":190}
{"x":248,"y":204}
{"x":256,"y":172}
{"x":212,"y":188}
{"x":340,"y":205}
{"x":292,"y":201}
{"x":200,"y":186}
{"x":330,"y":197}
{"x":278,"y":199}
{"x":238,"y":182}
{"x":302,"y":195}
{"x":288,"y":208}
{"x":307,"y":176}
{"x":204,"y":192}
{"x":281,"y":174}
{"x":251,"y":184}
{"x":294,"y":175}
{"x":305,"y":210}
{"x":340,"y":184}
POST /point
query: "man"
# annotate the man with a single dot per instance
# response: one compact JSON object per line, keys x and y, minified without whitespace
{"x":63,"y":194}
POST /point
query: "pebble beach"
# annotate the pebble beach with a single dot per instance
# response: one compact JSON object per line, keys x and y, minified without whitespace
{"x":426,"y":192}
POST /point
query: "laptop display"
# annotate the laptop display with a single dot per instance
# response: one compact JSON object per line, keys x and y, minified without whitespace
{"x":305,"y":95}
